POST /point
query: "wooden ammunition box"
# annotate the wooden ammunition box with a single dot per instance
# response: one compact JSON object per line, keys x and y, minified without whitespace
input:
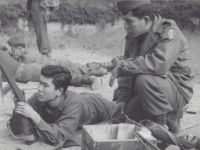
{"x":114,"y":137}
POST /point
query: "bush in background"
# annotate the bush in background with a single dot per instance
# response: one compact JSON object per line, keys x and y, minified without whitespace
{"x":10,"y":12}
{"x":77,"y":14}
{"x":185,"y":12}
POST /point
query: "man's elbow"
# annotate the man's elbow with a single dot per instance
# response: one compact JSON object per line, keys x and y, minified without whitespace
{"x":161,"y":70}
{"x":56,"y":140}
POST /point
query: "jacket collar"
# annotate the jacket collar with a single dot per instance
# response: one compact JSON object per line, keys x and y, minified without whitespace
{"x":153,"y":35}
{"x":57,"y":109}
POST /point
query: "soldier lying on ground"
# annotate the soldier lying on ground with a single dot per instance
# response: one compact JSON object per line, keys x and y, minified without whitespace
{"x":24,"y":73}
{"x":21,"y":54}
{"x":57,"y":112}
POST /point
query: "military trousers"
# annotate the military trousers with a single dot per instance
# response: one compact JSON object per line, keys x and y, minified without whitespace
{"x":99,"y":107}
{"x":32,"y":72}
{"x":40,"y":26}
{"x":151,"y":96}
{"x":100,"y":111}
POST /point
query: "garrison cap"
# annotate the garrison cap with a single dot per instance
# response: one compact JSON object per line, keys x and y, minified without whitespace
{"x":126,"y":6}
{"x":19,"y":39}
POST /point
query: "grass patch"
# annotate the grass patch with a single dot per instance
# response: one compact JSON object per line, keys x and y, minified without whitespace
{"x":108,"y":40}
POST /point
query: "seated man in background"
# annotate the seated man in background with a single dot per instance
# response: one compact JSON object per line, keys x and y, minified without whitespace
{"x":57,"y":112}
{"x":155,"y":80}
{"x":20,"y":53}
{"x":24,"y":73}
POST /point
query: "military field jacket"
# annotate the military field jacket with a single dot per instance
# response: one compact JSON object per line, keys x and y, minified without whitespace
{"x":163,"y":52}
{"x":60,"y":124}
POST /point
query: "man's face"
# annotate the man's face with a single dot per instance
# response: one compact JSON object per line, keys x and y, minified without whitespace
{"x":134,"y":25}
{"x":17,"y":52}
{"x":46,"y":90}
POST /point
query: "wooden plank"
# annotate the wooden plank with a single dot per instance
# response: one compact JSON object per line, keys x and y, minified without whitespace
{"x":101,"y":137}
{"x":125,"y":132}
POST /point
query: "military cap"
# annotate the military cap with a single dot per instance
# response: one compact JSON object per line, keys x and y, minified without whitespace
{"x":19,"y":39}
{"x":126,"y":6}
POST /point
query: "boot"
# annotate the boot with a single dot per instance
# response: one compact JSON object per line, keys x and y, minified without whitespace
{"x":93,"y":65}
{"x":94,"y":82}
{"x":106,"y":65}
{"x":159,"y":119}
{"x":98,"y":72}
{"x":173,"y":121}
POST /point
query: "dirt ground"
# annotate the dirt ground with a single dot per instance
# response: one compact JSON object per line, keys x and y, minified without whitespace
{"x":7,"y":142}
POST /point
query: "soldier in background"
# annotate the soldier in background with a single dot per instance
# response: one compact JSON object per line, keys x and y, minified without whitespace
{"x":38,"y":10}
{"x":24,"y":73}
{"x":21,"y":54}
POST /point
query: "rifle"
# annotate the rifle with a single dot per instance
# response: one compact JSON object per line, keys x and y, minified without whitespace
{"x":19,"y":125}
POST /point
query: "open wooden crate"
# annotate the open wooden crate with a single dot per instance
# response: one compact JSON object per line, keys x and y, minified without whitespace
{"x":114,"y":137}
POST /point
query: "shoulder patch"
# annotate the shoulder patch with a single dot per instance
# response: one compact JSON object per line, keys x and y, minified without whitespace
{"x":171,"y":34}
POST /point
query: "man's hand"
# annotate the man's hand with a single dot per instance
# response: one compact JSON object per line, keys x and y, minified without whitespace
{"x":28,"y":112}
{"x":116,"y":61}
{"x":24,"y":110}
{"x":16,"y":54}
{"x":119,"y":107}
{"x":115,"y":74}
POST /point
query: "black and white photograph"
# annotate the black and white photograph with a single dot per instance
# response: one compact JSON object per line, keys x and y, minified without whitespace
{"x":99,"y":75}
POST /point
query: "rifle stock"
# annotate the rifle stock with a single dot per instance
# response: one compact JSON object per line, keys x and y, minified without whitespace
{"x":19,"y":125}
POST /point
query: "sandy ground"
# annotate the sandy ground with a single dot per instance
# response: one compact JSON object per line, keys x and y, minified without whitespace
{"x":7,"y":142}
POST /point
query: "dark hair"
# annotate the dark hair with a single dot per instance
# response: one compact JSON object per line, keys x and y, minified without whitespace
{"x":145,"y":10}
{"x":61,"y":76}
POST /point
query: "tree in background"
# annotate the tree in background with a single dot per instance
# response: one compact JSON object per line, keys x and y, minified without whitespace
{"x":185,"y":12}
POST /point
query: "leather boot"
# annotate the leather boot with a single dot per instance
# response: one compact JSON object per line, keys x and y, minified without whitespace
{"x":93,"y":65}
{"x":160,"y":119}
{"x":98,"y":72}
{"x":173,"y":121}
{"x":94,"y":82}
{"x":107,"y":65}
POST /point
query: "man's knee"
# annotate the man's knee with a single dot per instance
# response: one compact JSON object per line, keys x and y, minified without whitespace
{"x":142,"y":81}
